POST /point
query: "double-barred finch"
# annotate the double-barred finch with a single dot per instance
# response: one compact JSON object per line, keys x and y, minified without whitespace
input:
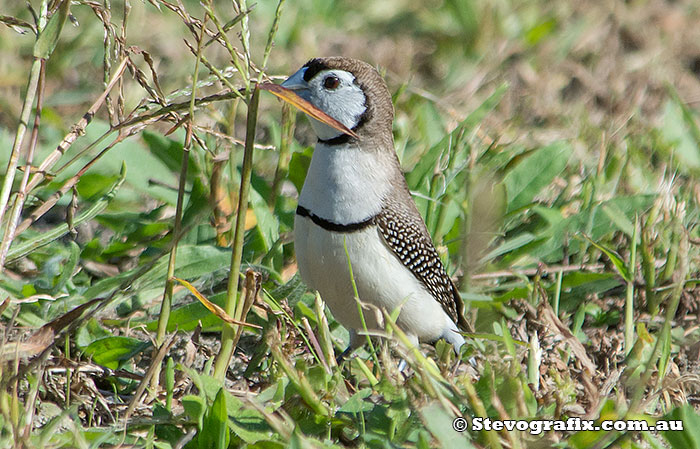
{"x":355,"y":196}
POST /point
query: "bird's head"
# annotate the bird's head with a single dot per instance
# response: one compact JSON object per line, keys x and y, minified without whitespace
{"x":349,"y":91}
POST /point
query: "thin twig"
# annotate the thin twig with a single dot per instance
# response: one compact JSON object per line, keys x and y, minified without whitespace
{"x":10,"y":230}
{"x":68,"y":185}
{"x":164,"y":315}
{"x":77,"y":130}
{"x":233,"y":305}
{"x":543,"y":270}
{"x":155,"y":366}
{"x":32,"y":84}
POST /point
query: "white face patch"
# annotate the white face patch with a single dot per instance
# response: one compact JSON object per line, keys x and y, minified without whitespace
{"x":336,"y":94}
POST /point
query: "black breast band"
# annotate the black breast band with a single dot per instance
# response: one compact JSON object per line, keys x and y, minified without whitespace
{"x":332,"y":226}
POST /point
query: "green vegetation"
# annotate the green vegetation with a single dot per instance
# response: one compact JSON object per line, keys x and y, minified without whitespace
{"x":553,"y":149}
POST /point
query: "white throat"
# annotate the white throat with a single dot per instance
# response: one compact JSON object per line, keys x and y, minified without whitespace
{"x":323,"y":131}
{"x":345,"y":184}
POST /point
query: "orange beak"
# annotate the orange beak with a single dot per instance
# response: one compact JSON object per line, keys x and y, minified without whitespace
{"x":304,"y":106}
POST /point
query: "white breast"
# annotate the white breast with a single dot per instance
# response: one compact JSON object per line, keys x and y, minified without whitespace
{"x":381,"y":279}
{"x":345,"y":184}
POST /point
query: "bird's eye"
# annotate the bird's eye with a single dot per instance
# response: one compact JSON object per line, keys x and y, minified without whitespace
{"x":331,"y":82}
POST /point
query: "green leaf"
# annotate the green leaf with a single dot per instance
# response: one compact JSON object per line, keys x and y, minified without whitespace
{"x":581,"y":279}
{"x":472,"y":297}
{"x":94,"y":184}
{"x":578,"y":286}
{"x":247,"y":423}
{"x":187,"y":317}
{"x":619,"y":219}
{"x":293,"y":291}
{"x":268,"y":444}
{"x":439,"y":423}
{"x":44,"y":238}
{"x":195,"y":261}
{"x":268,"y":225}
{"x":215,"y":433}
{"x":426,"y":165}
{"x":681,"y":129}
{"x":48,"y":38}
{"x":689,"y":437}
{"x":627,"y":206}
{"x":68,"y":268}
{"x":540,"y":31}
{"x":560,"y":228}
{"x":89,"y":333}
{"x":197,"y":204}
{"x":534,"y":173}
{"x":194,"y":407}
{"x":165,"y":430}
{"x":508,"y":246}
{"x":112,"y":352}
{"x":299,"y":166}
{"x":192,"y":262}
{"x":207,"y":384}
{"x":614,"y":258}
{"x":467,"y":17}
{"x":357,"y":403}
{"x":169,"y":152}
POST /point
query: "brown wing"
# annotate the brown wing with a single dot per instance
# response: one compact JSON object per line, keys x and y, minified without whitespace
{"x":405,"y":233}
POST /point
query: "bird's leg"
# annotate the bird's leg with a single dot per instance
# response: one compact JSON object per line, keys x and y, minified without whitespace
{"x":355,"y":342}
{"x":403,"y":366}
